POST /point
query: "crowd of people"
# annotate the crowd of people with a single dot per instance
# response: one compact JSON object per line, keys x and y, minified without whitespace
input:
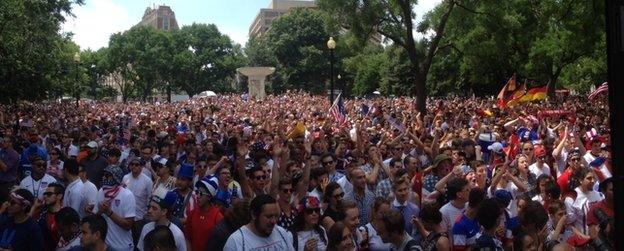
{"x":230,"y":173}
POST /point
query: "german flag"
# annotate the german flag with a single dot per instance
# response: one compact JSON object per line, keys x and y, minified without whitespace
{"x":538,"y":93}
{"x":510,"y":93}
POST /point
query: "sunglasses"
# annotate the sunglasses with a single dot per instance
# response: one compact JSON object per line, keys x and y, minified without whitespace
{"x":575,"y":159}
{"x":288,"y":190}
{"x":313,"y":210}
{"x":135,"y":164}
{"x":261,"y":177}
{"x":528,"y":149}
{"x":48,"y":194}
{"x":327,"y":162}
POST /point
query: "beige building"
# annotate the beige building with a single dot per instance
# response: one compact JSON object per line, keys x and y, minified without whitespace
{"x":276,"y":8}
{"x":161,"y":17}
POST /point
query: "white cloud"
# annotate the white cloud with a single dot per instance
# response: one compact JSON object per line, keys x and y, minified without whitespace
{"x":96,"y":21}
{"x":420,"y":10}
{"x":237,"y":34}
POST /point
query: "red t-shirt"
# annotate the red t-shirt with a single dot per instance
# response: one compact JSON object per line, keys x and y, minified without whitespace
{"x":591,"y":219}
{"x":417,"y":184}
{"x":199,"y":226}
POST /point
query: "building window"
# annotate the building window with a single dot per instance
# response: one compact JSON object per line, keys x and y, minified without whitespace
{"x":166,"y":23}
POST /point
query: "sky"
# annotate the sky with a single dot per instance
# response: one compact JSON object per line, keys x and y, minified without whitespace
{"x":96,"y":20}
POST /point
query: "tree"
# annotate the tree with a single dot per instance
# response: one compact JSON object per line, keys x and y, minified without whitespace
{"x":31,"y":47}
{"x":394,"y":19}
{"x":298,"y":41}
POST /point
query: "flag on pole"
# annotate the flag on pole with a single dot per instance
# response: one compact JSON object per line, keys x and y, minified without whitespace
{"x":510,"y":93}
{"x":393,"y":123}
{"x":604,"y":87}
{"x":338,"y":111}
{"x":538,"y":93}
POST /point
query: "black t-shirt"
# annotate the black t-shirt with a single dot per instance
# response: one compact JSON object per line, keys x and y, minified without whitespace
{"x":334,"y":215}
{"x":23,"y":236}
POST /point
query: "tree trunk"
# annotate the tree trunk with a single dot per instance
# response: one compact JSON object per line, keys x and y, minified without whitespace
{"x":552,"y":82}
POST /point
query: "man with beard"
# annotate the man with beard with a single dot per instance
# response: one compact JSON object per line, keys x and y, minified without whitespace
{"x":68,"y":226}
{"x":119,"y":216}
{"x":94,"y":163}
{"x":262,"y":231}
{"x":186,"y":200}
{"x":159,"y":213}
{"x":44,"y":212}
{"x":203,"y":219}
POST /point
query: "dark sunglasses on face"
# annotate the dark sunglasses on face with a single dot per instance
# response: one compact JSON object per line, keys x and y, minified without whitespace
{"x":261,"y":177}
{"x":48,"y":194}
{"x":287,"y":190}
{"x":313,"y":210}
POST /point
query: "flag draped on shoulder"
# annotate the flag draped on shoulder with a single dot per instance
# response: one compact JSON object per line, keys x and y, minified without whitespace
{"x":338,"y":111}
{"x":511,"y":93}
{"x":604,"y":87}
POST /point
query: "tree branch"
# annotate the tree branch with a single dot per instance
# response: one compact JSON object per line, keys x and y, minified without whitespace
{"x":436,"y":39}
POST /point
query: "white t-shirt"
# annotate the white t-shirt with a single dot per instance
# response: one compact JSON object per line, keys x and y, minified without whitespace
{"x":561,"y":161}
{"x":244,"y":239}
{"x":141,"y":187}
{"x":303,"y":236}
{"x":37,"y":187}
{"x":75,"y":198}
{"x":178,"y":236}
{"x":122,"y":205}
{"x":90,"y":192}
{"x":603,"y":168}
{"x":449,"y":215}
{"x":534,"y":169}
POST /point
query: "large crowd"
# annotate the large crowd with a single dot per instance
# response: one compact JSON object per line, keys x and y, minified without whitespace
{"x":231,"y":173}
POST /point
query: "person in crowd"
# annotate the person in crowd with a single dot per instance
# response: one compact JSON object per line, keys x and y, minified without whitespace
{"x":333,"y":196}
{"x":160,"y":239}
{"x":361,"y":195}
{"x":466,"y":228}
{"x":375,"y":243}
{"x":186,"y":200}
{"x":540,"y":166}
{"x":533,"y":220}
{"x":94,"y":163}
{"x":441,"y":164}
{"x":340,"y":238}
{"x":542,"y":183}
{"x":44,"y":211}
{"x":68,"y":147}
{"x":458,"y":191}
{"x":165,"y":181}
{"x":261,"y":231}
{"x":488,"y":217}
{"x":116,"y":204}
{"x":392,"y":230}
{"x":384,"y":187}
{"x":19,"y":230}
{"x":579,"y":203}
{"x":205,"y":217}
{"x":402,"y":205}
{"x":55,"y":164}
{"x":74,"y":196}
{"x":68,"y":227}
{"x":9,"y":166}
{"x":90,"y":192}
{"x":159,"y":214}
{"x":94,"y":234}
{"x":307,"y":232}
{"x":234,"y":218}
{"x":329,"y":163}
{"x":606,"y":207}
{"x":429,"y":224}
{"x":141,"y":187}
{"x":559,"y":229}
{"x":288,"y":210}
{"x":38,"y":179}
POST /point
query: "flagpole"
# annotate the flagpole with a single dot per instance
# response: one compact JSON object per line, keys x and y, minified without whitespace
{"x":335,"y":102}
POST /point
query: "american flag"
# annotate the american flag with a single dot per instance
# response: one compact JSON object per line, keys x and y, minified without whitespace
{"x":338,"y":111}
{"x":604,"y":87}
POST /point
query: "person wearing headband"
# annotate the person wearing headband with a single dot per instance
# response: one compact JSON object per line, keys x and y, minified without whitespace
{"x":17,"y":229}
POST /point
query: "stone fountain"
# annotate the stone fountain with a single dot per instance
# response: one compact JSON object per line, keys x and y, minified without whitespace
{"x":256,"y":78}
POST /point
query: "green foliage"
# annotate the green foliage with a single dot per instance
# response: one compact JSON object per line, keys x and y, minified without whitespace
{"x":31,"y":48}
{"x":298,"y":42}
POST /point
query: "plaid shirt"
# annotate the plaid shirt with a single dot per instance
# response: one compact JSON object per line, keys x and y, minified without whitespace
{"x":364,"y":204}
{"x":384,"y":188}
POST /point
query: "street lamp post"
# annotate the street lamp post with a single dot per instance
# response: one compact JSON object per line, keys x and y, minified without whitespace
{"x":94,"y":82}
{"x":331,"y":45}
{"x":77,"y":89}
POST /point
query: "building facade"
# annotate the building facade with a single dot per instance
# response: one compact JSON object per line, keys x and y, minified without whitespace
{"x":161,"y":17}
{"x":276,"y":8}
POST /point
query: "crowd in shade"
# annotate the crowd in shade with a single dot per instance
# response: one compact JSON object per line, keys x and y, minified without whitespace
{"x":290,"y":173}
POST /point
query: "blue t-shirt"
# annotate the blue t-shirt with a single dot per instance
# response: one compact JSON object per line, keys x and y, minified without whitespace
{"x":23,"y":236}
{"x":465,"y":231}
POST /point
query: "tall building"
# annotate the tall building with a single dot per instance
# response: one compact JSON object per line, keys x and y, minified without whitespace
{"x":161,"y":18}
{"x":276,"y":8}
